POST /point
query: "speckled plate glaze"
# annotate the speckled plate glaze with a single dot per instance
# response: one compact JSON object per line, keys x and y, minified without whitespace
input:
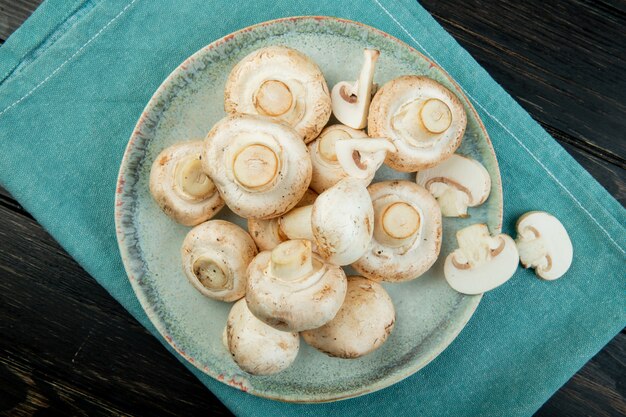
{"x":429,"y":313}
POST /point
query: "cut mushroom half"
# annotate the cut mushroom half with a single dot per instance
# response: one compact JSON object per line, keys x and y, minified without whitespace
{"x":423,"y":119}
{"x":181,"y":187}
{"x":457,"y":183}
{"x":339,"y":222}
{"x":260,"y":167}
{"x":267,"y":234}
{"x":215,"y":258}
{"x":257,"y":348}
{"x":351,"y":100}
{"x":543,"y":244}
{"x":292,"y":289}
{"x":482,"y":262}
{"x":281,"y":83}
{"x":407,"y":232}
{"x":340,"y":152}
{"x":362,"y":324}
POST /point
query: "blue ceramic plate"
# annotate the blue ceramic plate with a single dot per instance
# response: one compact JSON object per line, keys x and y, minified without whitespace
{"x":429,"y":313}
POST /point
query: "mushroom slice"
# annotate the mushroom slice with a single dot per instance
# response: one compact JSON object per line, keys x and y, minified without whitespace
{"x":362,"y":324}
{"x":482,"y":262}
{"x":457,"y":183}
{"x":351,"y":101}
{"x":340,"y":152}
{"x":257,"y":348}
{"x":267,"y":234}
{"x":339,"y":222}
{"x":407,"y":232}
{"x":292,"y":289}
{"x":261,"y":167}
{"x":283,"y":84}
{"x":215,"y":256}
{"x":423,"y":119}
{"x":543,"y":244}
{"x":181,"y":187}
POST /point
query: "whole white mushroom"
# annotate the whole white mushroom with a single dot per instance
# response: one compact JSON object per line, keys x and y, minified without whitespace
{"x":292,"y":289}
{"x":257,"y":348}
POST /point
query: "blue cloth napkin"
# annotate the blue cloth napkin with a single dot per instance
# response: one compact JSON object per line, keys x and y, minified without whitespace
{"x":76,"y":76}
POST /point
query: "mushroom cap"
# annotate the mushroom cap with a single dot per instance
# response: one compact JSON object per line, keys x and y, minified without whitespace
{"x":290,"y":170}
{"x":482,"y":262}
{"x":215,"y":257}
{"x":457,"y":183}
{"x":266,"y":233}
{"x":342,"y":220}
{"x":305,"y":303}
{"x":327,"y":169}
{"x":177,"y":183}
{"x":382,"y":262}
{"x":543,"y":244}
{"x":398,"y":104}
{"x":257,"y":348}
{"x":281,"y":83}
{"x":361,"y":325}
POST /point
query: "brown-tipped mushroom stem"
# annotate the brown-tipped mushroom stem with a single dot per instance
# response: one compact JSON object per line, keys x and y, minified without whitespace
{"x":398,"y":222}
{"x":273,"y":98}
{"x":255,"y":166}
{"x":435,"y":115}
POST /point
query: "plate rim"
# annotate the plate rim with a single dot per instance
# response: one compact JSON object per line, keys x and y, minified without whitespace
{"x":123,"y":208}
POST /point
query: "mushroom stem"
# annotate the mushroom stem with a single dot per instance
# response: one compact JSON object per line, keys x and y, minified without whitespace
{"x":255,"y":166}
{"x":349,"y":151}
{"x":328,"y":143}
{"x":297,"y":223}
{"x":435,"y":116}
{"x":192,"y":180}
{"x":476,"y":245}
{"x":211,"y":274}
{"x":397,"y":223}
{"x":453,"y":199}
{"x":273,"y":98}
{"x":291,"y":260}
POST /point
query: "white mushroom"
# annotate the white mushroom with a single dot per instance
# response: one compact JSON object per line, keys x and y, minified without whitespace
{"x":215,"y":257}
{"x":362,"y":324}
{"x":181,"y":187}
{"x":292,"y":289}
{"x":339,"y":222}
{"x":407,"y":232}
{"x":457,"y":183}
{"x":351,"y":100}
{"x":482,"y":262}
{"x":543,"y":244}
{"x":267,"y":234}
{"x":281,"y":83}
{"x":257,"y":348}
{"x":261,"y":167}
{"x":423,"y":119}
{"x":341,"y":152}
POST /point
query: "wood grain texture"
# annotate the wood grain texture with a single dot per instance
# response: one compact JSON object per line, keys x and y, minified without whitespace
{"x":67,"y":348}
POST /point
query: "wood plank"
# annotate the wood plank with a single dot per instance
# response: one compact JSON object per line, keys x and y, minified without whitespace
{"x":68,"y":346}
{"x":13,"y":13}
{"x":563,"y":61}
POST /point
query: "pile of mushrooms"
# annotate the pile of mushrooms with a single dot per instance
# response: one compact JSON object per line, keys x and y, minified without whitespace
{"x":306,"y":189}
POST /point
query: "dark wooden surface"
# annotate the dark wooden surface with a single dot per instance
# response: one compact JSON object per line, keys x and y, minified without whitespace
{"x":67,"y":348}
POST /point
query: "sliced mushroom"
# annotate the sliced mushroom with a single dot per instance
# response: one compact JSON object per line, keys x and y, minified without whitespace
{"x":281,"y":83}
{"x":351,"y":101}
{"x":339,"y":222}
{"x":543,"y":244}
{"x":407,"y":232}
{"x":457,"y":183}
{"x":257,"y":348}
{"x":215,"y":257}
{"x":181,"y":187}
{"x":482,"y":262}
{"x":341,"y":152}
{"x":260,"y":167}
{"x":423,"y":119}
{"x":362,"y":324}
{"x":292,"y":289}
{"x":267,"y":234}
